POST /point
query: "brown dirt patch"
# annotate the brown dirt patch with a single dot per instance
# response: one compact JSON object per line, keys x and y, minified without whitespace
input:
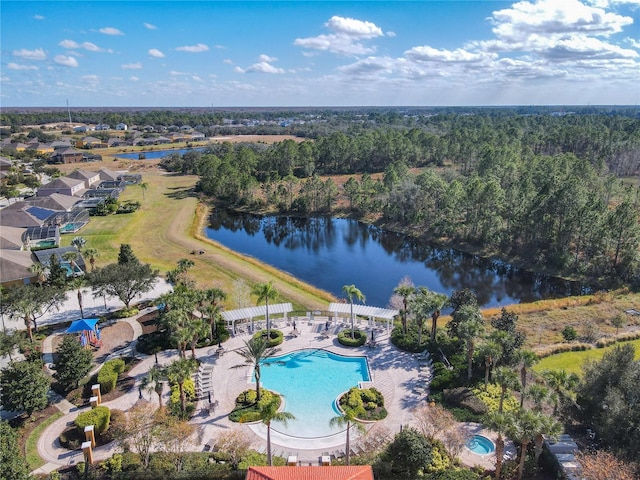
{"x":114,"y":337}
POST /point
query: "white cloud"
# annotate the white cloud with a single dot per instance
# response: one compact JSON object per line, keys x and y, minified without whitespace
{"x":200,"y":47}
{"x":150,"y":26}
{"x":16,"y":66}
{"x":632,"y":41}
{"x":428,"y":54}
{"x":267,"y":58}
{"x":390,"y":34}
{"x":72,"y":45}
{"x":37,"y":54}
{"x":38,"y":17}
{"x":154,"y":52}
{"x":196,"y":78}
{"x":66,"y":61}
{"x":134,"y":79}
{"x":353,"y":28}
{"x":175,"y":73}
{"x":131,"y":66}
{"x":90,"y":78}
{"x":346,"y":39}
{"x":110,"y":31}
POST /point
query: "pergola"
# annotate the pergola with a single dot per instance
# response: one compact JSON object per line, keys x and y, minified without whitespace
{"x":249,"y":313}
{"x":372,"y":313}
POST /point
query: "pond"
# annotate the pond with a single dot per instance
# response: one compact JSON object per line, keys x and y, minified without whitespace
{"x":155,"y":154}
{"x":329,"y":253}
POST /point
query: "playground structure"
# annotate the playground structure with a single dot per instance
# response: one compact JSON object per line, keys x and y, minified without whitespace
{"x":88,"y":332}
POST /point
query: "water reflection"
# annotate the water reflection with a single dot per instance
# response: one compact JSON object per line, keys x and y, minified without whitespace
{"x":330,"y":253}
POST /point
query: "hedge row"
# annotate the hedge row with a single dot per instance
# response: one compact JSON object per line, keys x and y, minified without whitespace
{"x":359,"y":338}
{"x":623,"y":337}
{"x":108,"y":374}
{"x":99,"y":417}
{"x":563,"y":347}
{"x":276,"y":337}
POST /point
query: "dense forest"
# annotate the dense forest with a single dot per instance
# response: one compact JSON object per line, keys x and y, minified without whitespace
{"x":555,"y":192}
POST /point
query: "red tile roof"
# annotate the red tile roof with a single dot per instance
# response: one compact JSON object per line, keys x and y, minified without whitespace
{"x":363,"y":472}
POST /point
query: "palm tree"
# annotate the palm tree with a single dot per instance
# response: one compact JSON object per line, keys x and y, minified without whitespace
{"x":470,"y":326}
{"x":71,"y":257}
{"x":40,"y":271}
{"x":144,"y":186}
{"x":92,"y":253}
{"x":498,"y":422}
{"x":196,"y":329}
{"x":211,"y":298}
{"x":538,"y":394}
{"x":153,"y":382}
{"x":522,"y":428}
{"x":491,"y":352}
{"x":506,"y":378}
{"x":79,"y":242}
{"x":254,"y":353}
{"x":404,"y":291}
{"x":348,"y":419}
{"x":562,"y":383}
{"x":436,"y":302}
{"x":547,"y":426}
{"x":178,"y":372}
{"x":352,"y":291}
{"x":267,"y":413}
{"x":265,"y":292}
{"x":526,"y":359}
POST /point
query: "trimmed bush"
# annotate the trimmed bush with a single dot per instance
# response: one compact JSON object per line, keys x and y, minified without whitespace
{"x":71,"y":439}
{"x":125,"y":313}
{"x":408,"y":342}
{"x":359,"y":338}
{"x":367,"y":403}
{"x":277,"y":337}
{"x":108,"y":374}
{"x":99,"y":417}
{"x":246,"y":409}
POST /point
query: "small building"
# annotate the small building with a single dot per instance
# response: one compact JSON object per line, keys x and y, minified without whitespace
{"x":15,"y":147}
{"x":102,"y":126}
{"x":65,"y":185}
{"x":15,"y":268}
{"x":67,"y":155}
{"x":109,"y":175}
{"x":338,"y":472}
{"x":197,"y":136}
{"x":41,"y":148}
{"x":91,"y":142}
{"x":89,"y":178}
{"x":122,"y":126}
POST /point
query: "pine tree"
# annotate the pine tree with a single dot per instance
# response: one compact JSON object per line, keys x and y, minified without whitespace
{"x":73,"y":362}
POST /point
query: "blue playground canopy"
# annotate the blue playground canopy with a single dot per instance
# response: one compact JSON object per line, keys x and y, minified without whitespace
{"x":83,"y":325}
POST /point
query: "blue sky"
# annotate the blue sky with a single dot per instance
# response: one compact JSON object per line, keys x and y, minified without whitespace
{"x":319,"y":53}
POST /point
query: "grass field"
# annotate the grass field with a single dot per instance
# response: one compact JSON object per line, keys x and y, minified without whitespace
{"x":572,"y":361}
{"x":168,"y":227}
{"x":31,"y":444}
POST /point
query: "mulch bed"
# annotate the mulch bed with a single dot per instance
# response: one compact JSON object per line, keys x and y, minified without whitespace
{"x":27,"y":425}
{"x":149,"y":322}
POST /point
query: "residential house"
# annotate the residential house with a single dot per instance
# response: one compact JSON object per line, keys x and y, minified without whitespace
{"x":186,"y":128}
{"x":62,"y":143}
{"x":102,"y":126}
{"x":67,"y":155}
{"x":122,"y":126}
{"x":5,"y":164}
{"x":90,"y":179}
{"x":46,"y":236}
{"x":22,"y":215}
{"x":64,"y":185}
{"x":41,"y":148}
{"x":81,"y":128}
{"x":118,"y":142}
{"x":15,"y":147}
{"x":197,"y":136}
{"x":11,"y":238}
{"x":15,"y":267}
{"x":162,"y":140}
{"x":91,"y":142}
{"x":56,"y":201}
{"x":148,"y":128}
{"x":76,"y":269}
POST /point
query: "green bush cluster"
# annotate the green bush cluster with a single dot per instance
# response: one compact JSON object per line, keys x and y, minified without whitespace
{"x":276,"y":337}
{"x":359,"y":338}
{"x":108,"y":374}
{"x":366,"y":403}
{"x":126,"y":313}
{"x":99,"y":417}
{"x":490,"y":396}
{"x":442,"y":377}
{"x":151,"y":343}
{"x":408,"y":342}
{"x":71,"y":439}
{"x":563,"y":347}
{"x":246,"y":409}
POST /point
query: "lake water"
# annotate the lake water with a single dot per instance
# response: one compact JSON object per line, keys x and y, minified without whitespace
{"x":155,"y":154}
{"x":330,"y":253}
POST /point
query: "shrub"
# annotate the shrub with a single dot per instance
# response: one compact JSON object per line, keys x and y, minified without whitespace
{"x":409,"y":341}
{"x":359,"y":338}
{"x":246,"y":409}
{"x":563,"y":347}
{"x":125,"y":313}
{"x":465,"y":398}
{"x":367,"y":403}
{"x":151,"y":343}
{"x":490,"y":396}
{"x":276,"y":337}
{"x":131,"y":462}
{"x":99,"y":417}
{"x":71,"y":439}
{"x":569,"y":333}
{"x":442,"y":377}
{"x":108,"y":374}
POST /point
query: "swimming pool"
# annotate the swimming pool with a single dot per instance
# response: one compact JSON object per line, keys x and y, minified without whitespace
{"x":480,"y":445}
{"x":310,"y":380}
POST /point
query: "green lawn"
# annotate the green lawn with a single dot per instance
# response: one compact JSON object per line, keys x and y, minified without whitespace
{"x":572,"y":361}
{"x":31,"y":445}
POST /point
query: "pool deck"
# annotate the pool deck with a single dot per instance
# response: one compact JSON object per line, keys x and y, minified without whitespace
{"x":395,"y":373}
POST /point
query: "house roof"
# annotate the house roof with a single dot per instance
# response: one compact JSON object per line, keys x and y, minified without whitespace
{"x":109,"y":175}
{"x":4,"y":161}
{"x":43,"y":256}
{"x":18,"y":216}
{"x":359,"y":472}
{"x":67,"y":151}
{"x":14,"y":265}
{"x":62,"y":182}
{"x":83,"y":175}
{"x":11,"y":237}
{"x":44,"y":232}
{"x":56,"y":201}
